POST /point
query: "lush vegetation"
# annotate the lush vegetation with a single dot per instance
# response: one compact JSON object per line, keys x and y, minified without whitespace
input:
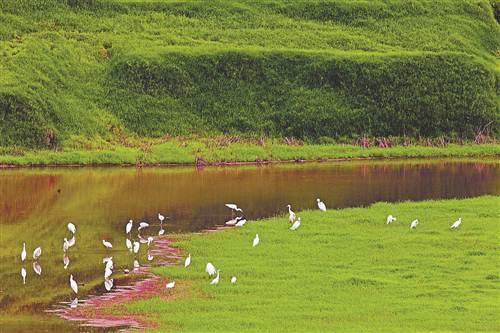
{"x":343,"y":270}
{"x":210,"y":152}
{"x":115,"y":69}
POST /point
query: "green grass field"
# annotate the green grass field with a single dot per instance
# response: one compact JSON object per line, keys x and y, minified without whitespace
{"x":343,"y":270}
{"x":105,"y":70}
{"x":186,"y":152}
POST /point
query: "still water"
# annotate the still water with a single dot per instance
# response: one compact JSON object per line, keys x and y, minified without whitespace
{"x":36,"y":205}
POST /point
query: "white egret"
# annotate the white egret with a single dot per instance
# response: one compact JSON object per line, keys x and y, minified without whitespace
{"x":74,"y":303}
{"x":66,"y":261}
{"x":233,"y":280}
{"x":321,"y":205}
{"x":240,"y":223}
{"x":109,"y":264}
{"x":295,"y":225}
{"x":71,"y":241}
{"x":71,"y":228}
{"x":291,"y":214}
{"x":170,"y":285}
{"x":456,"y":224}
{"x":256,"y":240}
{"x":108,"y":284}
{"x":37,"y":253}
{"x":23,"y":274}
{"x":107,"y":244}
{"x":142,"y":225}
{"x":234,"y":207}
{"x":414,"y":224}
{"x":234,"y":221}
{"x":37,"y":268}
{"x":161,"y":218}
{"x":217,"y":278}
{"x":210,"y":269}
{"x":187,"y":262}
{"x":128,"y":227}
{"x":150,"y":240}
{"x":128,"y":243}
{"x":23,"y":252}
{"x":137,"y":245}
{"x":107,"y":273}
{"x":73,"y":284}
{"x":390,"y":219}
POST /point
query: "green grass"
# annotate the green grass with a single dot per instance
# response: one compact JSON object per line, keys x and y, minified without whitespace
{"x":110,"y":69}
{"x":343,"y":270}
{"x":178,"y":151}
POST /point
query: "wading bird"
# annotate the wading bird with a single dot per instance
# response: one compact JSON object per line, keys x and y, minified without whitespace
{"x":73,"y":284}
{"x":256,"y":240}
{"x":128,"y":227}
{"x":23,"y":252}
{"x":170,"y":285}
{"x":233,"y":280}
{"x":321,"y":205}
{"x":390,"y":219}
{"x":107,"y":273}
{"x":291,"y":214}
{"x":142,"y":225}
{"x":71,"y":241}
{"x":107,"y":244}
{"x":240,"y":223}
{"x":71,"y":228}
{"x":217,"y":278}
{"x":187,"y":262}
{"x":161,"y":218}
{"x":414,"y":224}
{"x":37,"y":253}
{"x":23,"y":274}
{"x":456,"y":224}
{"x":210,"y":269}
{"x":295,"y":225}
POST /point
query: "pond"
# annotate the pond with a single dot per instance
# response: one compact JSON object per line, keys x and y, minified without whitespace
{"x":37,"y":204}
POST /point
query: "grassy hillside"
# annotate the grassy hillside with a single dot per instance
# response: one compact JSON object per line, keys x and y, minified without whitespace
{"x":342,"y":271}
{"x":120,"y":68}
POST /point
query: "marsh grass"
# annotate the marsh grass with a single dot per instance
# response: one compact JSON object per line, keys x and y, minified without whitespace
{"x":343,"y":270}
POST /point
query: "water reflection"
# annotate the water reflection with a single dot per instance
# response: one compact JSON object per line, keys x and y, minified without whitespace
{"x":101,"y":201}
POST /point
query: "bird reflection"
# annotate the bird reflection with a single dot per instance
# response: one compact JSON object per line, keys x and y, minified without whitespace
{"x":37,"y":268}
{"x":23,"y":274}
{"x":66,"y":261}
{"x":108,"y":284}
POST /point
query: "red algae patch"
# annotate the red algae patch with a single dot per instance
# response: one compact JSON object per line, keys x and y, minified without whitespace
{"x":105,"y":310}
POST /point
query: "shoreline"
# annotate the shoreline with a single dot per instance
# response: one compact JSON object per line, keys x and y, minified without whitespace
{"x":171,"y":154}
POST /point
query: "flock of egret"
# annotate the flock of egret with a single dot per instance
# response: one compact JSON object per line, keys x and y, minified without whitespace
{"x":133,"y":246}
{"x":414,"y":223}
